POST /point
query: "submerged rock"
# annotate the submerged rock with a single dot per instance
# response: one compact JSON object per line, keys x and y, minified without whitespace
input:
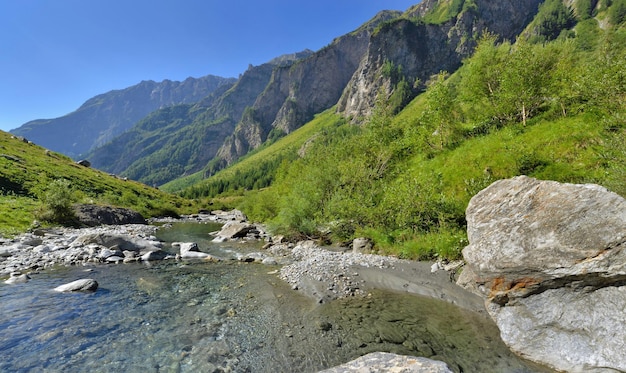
{"x":550,"y":261}
{"x":86,"y":284}
{"x":386,"y":362}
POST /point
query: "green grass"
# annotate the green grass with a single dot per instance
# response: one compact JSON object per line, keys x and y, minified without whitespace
{"x":27,"y":170}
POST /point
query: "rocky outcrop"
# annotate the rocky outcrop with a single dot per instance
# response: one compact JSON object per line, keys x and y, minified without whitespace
{"x":417,"y":50}
{"x":550,"y":261}
{"x":386,"y":362}
{"x":95,"y":215}
{"x":105,"y":116}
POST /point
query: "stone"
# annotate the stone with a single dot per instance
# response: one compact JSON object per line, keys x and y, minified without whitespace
{"x":17,"y":278}
{"x":154,"y":255}
{"x":5,"y":252}
{"x":232,"y":215}
{"x":362,"y":245}
{"x":387,"y":362}
{"x":120,"y":242}
{"x":234,"y":229}
{"x":186,"y":247}
{"x":86,"y":284}
{"x":550,"y":261}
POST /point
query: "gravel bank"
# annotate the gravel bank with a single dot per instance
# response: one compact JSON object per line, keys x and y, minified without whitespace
{"x":326,"y":275}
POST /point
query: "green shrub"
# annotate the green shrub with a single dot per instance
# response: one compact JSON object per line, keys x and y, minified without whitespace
{"x":57,"y":203}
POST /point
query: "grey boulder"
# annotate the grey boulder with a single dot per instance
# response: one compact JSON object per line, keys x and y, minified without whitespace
{"x":86,"y":284}
{"x":550,"y":261}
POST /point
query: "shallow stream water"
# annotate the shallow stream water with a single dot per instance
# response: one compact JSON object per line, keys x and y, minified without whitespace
{"x":229,"y":316}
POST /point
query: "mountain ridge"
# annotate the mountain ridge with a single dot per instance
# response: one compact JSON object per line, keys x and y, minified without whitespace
{"x":104,"y":116}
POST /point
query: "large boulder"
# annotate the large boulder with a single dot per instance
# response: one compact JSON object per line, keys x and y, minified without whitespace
{"x":235,"y":229}
{"x":94,"y":215}
{"x":550,"y":261}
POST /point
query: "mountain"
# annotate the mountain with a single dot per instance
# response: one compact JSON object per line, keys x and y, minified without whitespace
{"x":411,"y":48}
{"x":105,"y":116}
{"x":391,"y":57}
{"x":284,"y":94}
{"x":178,"y":140}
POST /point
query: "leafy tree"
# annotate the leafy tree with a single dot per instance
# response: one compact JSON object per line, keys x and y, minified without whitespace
{"x":481,"y":78}
{"x":526,"y":78}
{"x":439,"y":111}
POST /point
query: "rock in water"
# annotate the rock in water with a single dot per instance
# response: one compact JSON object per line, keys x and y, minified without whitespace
{"x":550,"y":261}
{"x":17,"y":278}
{"x":234,"y":229}
{"x":386,"y":362}
{"x":86,"y":284}
{"x":154,"y":255}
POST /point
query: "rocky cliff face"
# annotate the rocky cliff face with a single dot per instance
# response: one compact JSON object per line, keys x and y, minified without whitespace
{"x":550,"y":261}
{"x":105,"y":116}
{"x":423,"y":49}
{"x":298,"y":91}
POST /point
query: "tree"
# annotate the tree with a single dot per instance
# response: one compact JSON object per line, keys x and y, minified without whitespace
{"x":481,"y":76}
{"x":439,"y":111}
{"x":526,"y":78}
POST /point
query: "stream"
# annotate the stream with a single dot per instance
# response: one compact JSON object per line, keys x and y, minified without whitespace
{"x":174,"y":316}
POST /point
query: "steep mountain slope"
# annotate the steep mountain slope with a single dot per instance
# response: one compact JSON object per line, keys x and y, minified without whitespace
{"x":283,"y":94}
{"x":403,"y":54}
{"x":105,"y":116}
{"x":297,"y":92}
{"x":174,"y":141}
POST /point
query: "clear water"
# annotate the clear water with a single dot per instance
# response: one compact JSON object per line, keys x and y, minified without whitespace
{"x":229,"y":316}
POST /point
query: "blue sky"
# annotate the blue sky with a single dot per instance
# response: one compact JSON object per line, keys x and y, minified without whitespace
{"x":56,"y":54}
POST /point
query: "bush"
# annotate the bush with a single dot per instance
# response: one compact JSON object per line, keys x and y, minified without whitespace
{"x":57,"y":203}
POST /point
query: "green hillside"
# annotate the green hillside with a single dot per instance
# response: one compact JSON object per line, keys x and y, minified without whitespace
{"x":30,"y":173}
{"x":551,"y":106}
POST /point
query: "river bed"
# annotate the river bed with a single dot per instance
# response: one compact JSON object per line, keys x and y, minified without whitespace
{"x":177,"y":316}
